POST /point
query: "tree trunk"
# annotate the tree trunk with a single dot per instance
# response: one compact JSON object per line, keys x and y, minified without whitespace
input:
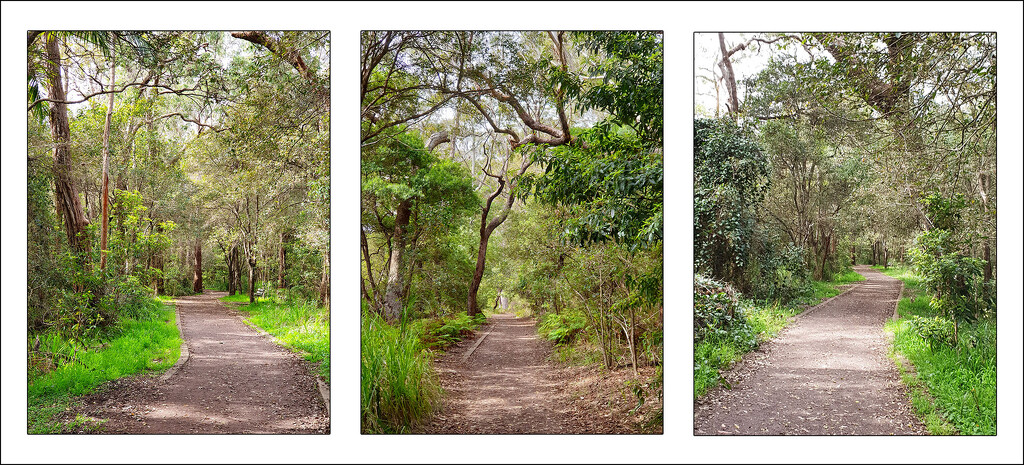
{"x":393,"y":295}
{"x":106,"y":169}
{"x":325,"y":280}
{"x":64,"y":186}
{"x":486,"y":228}
{"x":281,"y":262}
{"x":156,"y":260}
{"x":988,"y":262}
{"x":252,"y":278}
{"x":197,"y":271}
{"x":728,"y":76}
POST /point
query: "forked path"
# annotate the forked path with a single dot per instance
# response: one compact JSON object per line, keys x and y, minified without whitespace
{"x":827,"y":374}
{"x":501,"y":384}
{"x":234,"y":381}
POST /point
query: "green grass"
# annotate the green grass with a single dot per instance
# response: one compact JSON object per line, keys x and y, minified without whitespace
{"x":961,"y":380}
{"x":62,"y":369}
{"x":718,"y":351}
{"x":821,"y":290}
{"x":244,"y":298}
{"x":297,"y":325}
{"x":764,"y":320}
{"x":398,"y":386}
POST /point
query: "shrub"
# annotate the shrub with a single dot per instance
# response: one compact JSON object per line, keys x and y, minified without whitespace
{"x":715,"y":307}
{"x":937,"y":331}
{"x":439,"y":333}
{"x":562,"y":328}
{"x":780,"y":273}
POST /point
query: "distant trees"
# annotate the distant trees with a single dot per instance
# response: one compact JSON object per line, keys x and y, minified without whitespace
{"x":155,"y":145}
{"x":858,"y":128}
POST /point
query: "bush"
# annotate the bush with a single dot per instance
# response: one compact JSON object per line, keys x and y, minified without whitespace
{"x":780,"y":274}
{"x":715,"y":307}
{"x":938,"y":331}
{"x":562,"y":328}
{"x":398,"y":387}
{"x":439,"y":333}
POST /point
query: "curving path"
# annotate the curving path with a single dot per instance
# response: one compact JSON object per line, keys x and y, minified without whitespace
{"x":234,"y":381}
{"x":827,"y":374}
{"x":501,"y":384}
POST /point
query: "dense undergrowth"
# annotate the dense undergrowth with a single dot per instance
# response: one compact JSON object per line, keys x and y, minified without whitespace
{"x":296,"y":323}
{"x":958,"y":380}
{"x":61,"y":367}
{"x":726,"y":325}
{"x":398,"y":385}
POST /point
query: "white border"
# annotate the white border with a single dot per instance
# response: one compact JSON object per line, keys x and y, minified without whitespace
{"x":679,"y":20}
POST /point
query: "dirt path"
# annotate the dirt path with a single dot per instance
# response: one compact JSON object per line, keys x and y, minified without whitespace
{"x":505,"y":386}
{"x":827,"y":374}
{"x":235,"y":381}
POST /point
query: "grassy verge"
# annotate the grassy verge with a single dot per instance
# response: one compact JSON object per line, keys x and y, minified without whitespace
{"x":954,"y":388}
{"x":763,"y":321}
{"x":61,"y":368}
{"x":398,"y":384}
{"x":821,"y":290}
{"x":297,"y":325}
{"x":244,"y":298}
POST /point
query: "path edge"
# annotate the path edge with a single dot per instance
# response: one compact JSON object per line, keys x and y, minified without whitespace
{"x":804,"y":313}
{"x":184,"y":352}
{"x":477,"y":343}
{"x":321,"y":386}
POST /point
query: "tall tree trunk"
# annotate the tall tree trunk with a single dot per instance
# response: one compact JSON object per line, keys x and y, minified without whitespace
{"x":106,"y":168}
{"x":325,"y":280}
{"x":281,"y":262}
{"x":197,"y":271}
{"x":64,"y":186}
{"x":232,"y":259}
{"x":486,"y":228}
{"x":252,"y":278}
{"x":393,"y":295}
{"x":728,"y":76}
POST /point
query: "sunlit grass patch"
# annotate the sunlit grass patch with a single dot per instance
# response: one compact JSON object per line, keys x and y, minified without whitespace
{"x":300,"y":326}
{"x":61,"y":368}
{"x":961,"y":379}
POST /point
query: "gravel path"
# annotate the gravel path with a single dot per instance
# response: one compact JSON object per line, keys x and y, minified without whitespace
{"x":827,"y":374}
{"x":505,"y":386}
{"x":235,"y":381}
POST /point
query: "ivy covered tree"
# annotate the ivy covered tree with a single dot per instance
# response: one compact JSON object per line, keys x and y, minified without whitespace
{"x":730,"y":179}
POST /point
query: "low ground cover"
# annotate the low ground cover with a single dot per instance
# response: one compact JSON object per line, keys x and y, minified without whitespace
{"x":959,"y":379}
{"x":398,"y":384}
{"x":61,"y":368}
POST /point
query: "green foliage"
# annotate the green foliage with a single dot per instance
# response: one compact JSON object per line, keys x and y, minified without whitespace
{"x":940,"y":256}
{"x":730,"y":180}
{"x":632,"y":84}
{"x":937,"y":331}
{"x":612,"y":174}
{"x":440,"y":333}
{"x":960,"y":375}
{"x":614,"y":184}
{"x":716,"y":310}
{"x":779,"y":273}
{"x":562,"y":328}
{"x":398,"y":387}
{"x":302,"y":326}
{"x":60,"y":366}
